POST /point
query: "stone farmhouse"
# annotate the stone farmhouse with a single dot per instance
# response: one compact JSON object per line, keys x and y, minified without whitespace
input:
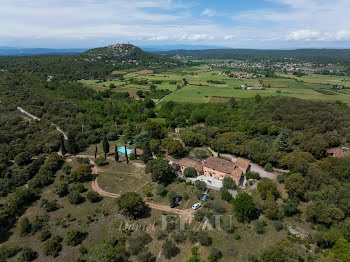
{"x":186,"y":162}
{"x":218,"y":168}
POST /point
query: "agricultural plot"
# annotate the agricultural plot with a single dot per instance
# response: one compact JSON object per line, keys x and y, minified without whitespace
{"x":200,"y":94}
{"x":321,"y":79}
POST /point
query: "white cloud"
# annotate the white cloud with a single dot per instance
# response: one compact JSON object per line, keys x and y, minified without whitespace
{"x":196,"y":37}
{"x":302,"y":35}
{"x":158,"y":38}
{"x":209,"y":12}
{"x":229,"y":37}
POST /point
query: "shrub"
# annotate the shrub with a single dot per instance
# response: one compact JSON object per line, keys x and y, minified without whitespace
{"x":161,"y":190}
{"x":39,"y":223}
{"x":161,"y":234}
{"x":75,"y":198}
{"x":215,"y":254}
{"x":229,"y":183}
{"x":178,"y":236}
{"x":259,"y":227}
{"x":252,"y":257}
{"x":290,"y":207}
{"x":75,"y":237}
{"x":268,"y":167}
{"x":44,"y":235}
{"x":49,"y":206}
{"x":83,"y":160}
{"x":100,"y":161}
{"x":138,"y":240}
{"x":268,"y":190}
{"x":27,"y":255}
{"x":79,"y":187}
{"x":83,"y":250}
{"x":53,"y":246}
{"x":82,"y":173}
{"x":25,"y":227}
{"x":204,"y":239}
{"x":145,"y":256}
{"x":236,"y":236}
{"x":200,"y":185}
{"x":190,"y":172}
{"x":94,"y":197}
{"x":252,"y":175}
{"x":278,"y":225}
{"x":170,"y":249}
{"x":66,"y":168}
{"x":8,"y":252}
{"x":225,"y":194}
{"x":61,"y":188}
{"x":228,"y":227}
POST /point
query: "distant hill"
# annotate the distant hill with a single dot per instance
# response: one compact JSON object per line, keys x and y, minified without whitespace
{"x":95,"y":63}
{"x":310,"y":55}
{"x":14,"y":51}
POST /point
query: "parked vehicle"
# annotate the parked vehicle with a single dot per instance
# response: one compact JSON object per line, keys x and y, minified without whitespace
{"x":178,"y":198}
{"x":196,"y":206}
{"x":205,"y":197}
{"x":174,"y":204}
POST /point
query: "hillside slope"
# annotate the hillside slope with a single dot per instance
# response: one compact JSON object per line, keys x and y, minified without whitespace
{"x":93,"y":64}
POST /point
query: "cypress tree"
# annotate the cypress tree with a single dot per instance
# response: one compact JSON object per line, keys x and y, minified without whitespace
{"x":126,"y":155}
{"x":105,"y":146}
{"x":63,"y":148}
{"x":95,"y":151}
{"x":116,"y":154}
{"x":135,"y":153}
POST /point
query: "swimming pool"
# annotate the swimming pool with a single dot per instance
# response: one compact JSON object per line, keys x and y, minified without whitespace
{"x":122,"y":150}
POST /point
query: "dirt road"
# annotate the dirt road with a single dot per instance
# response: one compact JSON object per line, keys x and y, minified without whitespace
{"x":187,"y":213}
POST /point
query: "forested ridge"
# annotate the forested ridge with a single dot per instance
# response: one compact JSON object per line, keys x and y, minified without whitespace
{"x":323,"y":56}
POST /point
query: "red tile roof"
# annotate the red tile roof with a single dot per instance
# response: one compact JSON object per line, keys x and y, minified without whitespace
{"x":337,"y":152}
{"x":243,"y":164}
{"x":186,"y":162}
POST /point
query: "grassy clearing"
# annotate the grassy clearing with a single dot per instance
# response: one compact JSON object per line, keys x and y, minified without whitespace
{"x":120,"y":177}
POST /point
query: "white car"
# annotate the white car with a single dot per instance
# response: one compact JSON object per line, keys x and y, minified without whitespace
{"x":196,"y":206}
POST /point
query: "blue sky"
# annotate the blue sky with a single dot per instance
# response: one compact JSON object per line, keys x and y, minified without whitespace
{"x":263,"y":24}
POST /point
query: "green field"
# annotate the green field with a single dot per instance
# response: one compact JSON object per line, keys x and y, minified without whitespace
{"x":322,"y":79}
{"x":199,"y":90}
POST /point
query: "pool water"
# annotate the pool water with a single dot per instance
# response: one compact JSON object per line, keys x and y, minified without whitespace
{"x":122,"y":150}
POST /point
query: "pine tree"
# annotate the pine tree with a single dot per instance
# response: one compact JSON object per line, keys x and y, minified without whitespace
{"x":116,"y":154}
{"x":63,"y":148}
{"x":126,"y":155}
{"x":105,"y":146}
